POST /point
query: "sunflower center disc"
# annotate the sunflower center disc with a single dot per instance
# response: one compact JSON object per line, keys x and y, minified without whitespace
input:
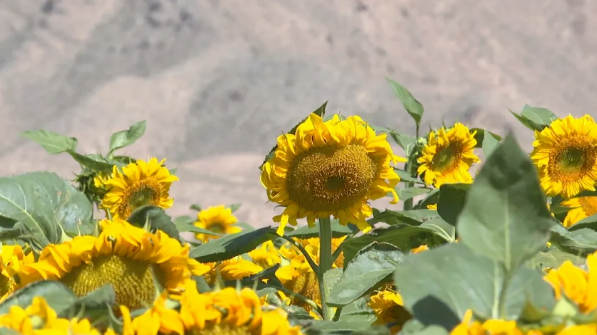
{"x":6,"y":285}
{"x":132,"y":280}
{"x":444,"y":159}
{"x":217,"y":227}
{"x":330,"y":178}
{"x":138,"y":195}
{"x":305,"y":285}
{"x":571,"y":160}
{"x":223,"y":330}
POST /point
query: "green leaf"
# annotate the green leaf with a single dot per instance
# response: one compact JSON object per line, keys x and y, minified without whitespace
{"x":57,"y":295}
{"x":444,"y":230}
{"x":184,"y":227}
{"x":411,"y":217}
{"x":480,"y":136}
{"x":196,"y":207}
{"x":94,"y":162}
{"x":94,"y":306}
{"x":553,"y":258}
{"x":406,"y":142}
{"x":232,"y":245}
{"x":366,"y":271}
{"x":306,"y":232}
{"x":405,"y":176}
{"x":156,"y":217}
{"x":358,"y":311}
{"x":578,"y":242}
{"x":539,"y":298}
{"x":440,"y":284}
{"x":588,"y":222}
{"x":412,"y":105}
{"x":505,"y":216}
{"x":431,"y":198}
{"x":330,"y":279}
{"x":124,"y":138}
{"x":319,"y":111}
{"x":411,"y":192}
{"x":490,"y":143}
{"x":234,"y":207}
{"x":535,"y":118}
{"x":402,"y":236}
{"x":451,"y":201}
{"x":53,"y":143}
{"x":46,"y":204}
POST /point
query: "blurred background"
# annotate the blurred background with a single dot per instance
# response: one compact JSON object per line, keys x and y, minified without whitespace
{"x":218,"y":80}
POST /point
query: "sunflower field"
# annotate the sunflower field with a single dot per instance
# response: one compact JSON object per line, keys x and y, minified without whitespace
{"x":482,"y":237}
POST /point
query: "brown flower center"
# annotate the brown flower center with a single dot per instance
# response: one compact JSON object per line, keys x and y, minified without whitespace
{"x":572,"y":162}
{"x":331,"y":178}
{"x":145,"y":192}
{"x":446,"y":157}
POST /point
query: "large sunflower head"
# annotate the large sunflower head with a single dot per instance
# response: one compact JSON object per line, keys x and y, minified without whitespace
{"x":330,"y":168}
{"x":266,"y":256}
{"x":389,"y":308}
{"x":218,"y":219}
{"x":39,"y":318}
{"x":580,"y":208}
{"x":576,"y":284}
{"x":297,"y":275}
{"x":13,"y":258}
{"x":448,"y":156}
{"x":133,"y":260}
{"x":139,"y":184}
{"x":231,"y":269}
{"x":224,"y":312}
{"x":565,"y":154}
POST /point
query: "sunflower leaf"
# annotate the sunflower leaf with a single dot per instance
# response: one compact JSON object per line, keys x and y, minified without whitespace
{"x":365,"y":272}
{"x":232,"y":245}
{"x":306,"y":232}
{"x":53,"y":143}
{"x":411,"y":217}
{"x":402,"y":236}
{"x":489,"y":145}
{"x":406,"y":142}
{"x":57,"y":295}
{"x":578,"y":242}
{"x":410,"y":192}
{"x":451,"y":201}
{"x":481,"y":134}
{"x":94,"y":162}
{"x":440,"y":284}
{"x":47,"y":205}
{"x":156,"y":217}
{"x":588,"y":222}
{"x":124,"y":138}
{"x":94,"y":306}
{"x":505,"y":217}
{"x":412,"y":105}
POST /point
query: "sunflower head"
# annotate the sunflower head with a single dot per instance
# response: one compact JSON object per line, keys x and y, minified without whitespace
{"x":266,"y":255}
{"x":13,"y":258}
{"x":576,"y":284}
{"x":565,"y":154}
{"x":448,"y":156}
{"x":580,"y":208}
{"x":218,"y":219}
{"x":130,"y":258}
{"x":231,"y":269}
{"x":389,"y":308}
{"x":139,"y":184}
{"x":330,"y":168}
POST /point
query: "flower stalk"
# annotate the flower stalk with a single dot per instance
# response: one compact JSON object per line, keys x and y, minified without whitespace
{"x":325,"y":263}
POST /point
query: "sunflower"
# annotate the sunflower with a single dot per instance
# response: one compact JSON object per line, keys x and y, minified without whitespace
{"x":297,"y":275}
{"x":576,"y":284}
{"x":389,"y":309}
{"x":130,"y":258}
{"x":489,"y":327}
{"x":581,"y":208}
{"x":235,"y":268}
{"x":266,"y":256}
{"x":221,"y":312}
{"x":13,"y":258}
{"x":565,"y":154}
{"x":448,"y":156}
{"x":330,"y":168}
{"x":419,"y":249}
{"x":139,"y":184}
{"x":39,"y":319}
{"x":218,"y":219}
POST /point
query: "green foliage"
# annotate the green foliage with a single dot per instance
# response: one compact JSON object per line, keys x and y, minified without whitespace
{"x":46,"y":205}
{"x":535,"y":118}
{"x":311,"y":232}
{"x":232,"y":245}
{"x":451,"y":201}
{"x":372,"y":265}
{"x":154,"y":218}
{"x":53,"y":143}
{"x":124,"y":138}
{"x":412,"y":105}
{"x":57,"y":295}
{"x":411,"y":217}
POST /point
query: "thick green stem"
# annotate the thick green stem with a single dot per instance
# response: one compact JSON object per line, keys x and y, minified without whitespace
{"x":409,"y":167}
{"x":325,"y":262}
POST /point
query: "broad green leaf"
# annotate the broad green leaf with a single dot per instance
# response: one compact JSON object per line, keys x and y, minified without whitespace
{"x":538,"y":115}
{"x":95,"y":306}
{"x":431,"y":198}
{"x":411,"y":217}
{"x":366,"y":271}
{"x":539,"y":297}
{"x":430,"y":330}
{"x":553,"y":258}
{"x":234,"y":207}
{"x":451,"y":201}
{"x":94,"y":162}
{"x":46,"y":204}
{"x":481,"y":134}
{"x":412,"y":105}
{"x":405,"y":176}
{"x":184,"y":227}
{"x":319,"y":111}
{"x":196,"y":207}
{"x":410,"y":192}
{"x":588,"y":222}
{"x":406,"y":142}
{"x":489,"y":145}
{"x":439,"y":285}
{"x":124,"y":138}
{"x":577,"y":242}
{"x":309,"y":232}
{"x":56,"y":294}
{"x":330,"y":279}
{"x":505,"y":216}
{"x":444,"y":230}
{"x":344,"y":327}
{"x":402,"y":236}
{"x":53,"y":143}
{"x":232,"y":245}
{"x":358,"y":311}
{"x":156,"y":217}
